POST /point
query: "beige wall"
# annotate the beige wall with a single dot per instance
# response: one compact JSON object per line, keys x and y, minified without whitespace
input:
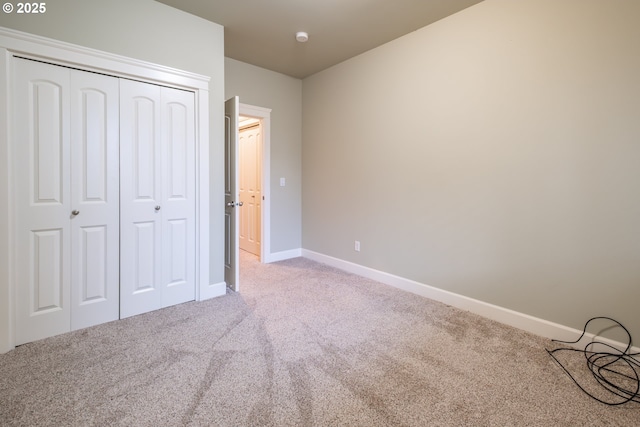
{"x":263,"y":88}
{"x":153,"y":32}
{"x":494,"y":154}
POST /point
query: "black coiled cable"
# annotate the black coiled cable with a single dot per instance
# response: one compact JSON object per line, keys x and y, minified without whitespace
{"x":608,"y":367}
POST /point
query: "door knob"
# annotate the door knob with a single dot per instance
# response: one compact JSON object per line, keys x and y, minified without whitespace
{"x":74,"y":213}
{"x":239,"y":203}
{"x":231,"y":204}
{"x":157,"y":208}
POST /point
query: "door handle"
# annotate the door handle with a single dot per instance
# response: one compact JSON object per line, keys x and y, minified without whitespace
{"x":239,"y":203}
{"x":231,"y":204}
{"x":75,"y":213}
{"x":157,"y":208}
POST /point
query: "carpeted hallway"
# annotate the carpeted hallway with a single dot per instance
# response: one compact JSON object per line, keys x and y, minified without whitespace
{"x":302,"y":344}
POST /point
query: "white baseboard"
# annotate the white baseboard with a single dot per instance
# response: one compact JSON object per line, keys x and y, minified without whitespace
{"x":509,"y":317}
{"x":212,"y":291}
{"x":281,"y":256}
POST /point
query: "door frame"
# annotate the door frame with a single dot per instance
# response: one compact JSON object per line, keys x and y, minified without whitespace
{"x":264,"y":115}
{"x":254,"y":125}
{"x":18,"y":43}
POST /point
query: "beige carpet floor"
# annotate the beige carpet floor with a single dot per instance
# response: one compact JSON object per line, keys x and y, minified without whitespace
{"x":302,"y":344}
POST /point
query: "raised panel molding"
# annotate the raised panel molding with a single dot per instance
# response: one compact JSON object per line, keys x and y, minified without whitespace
{"x":46,"y":285}
{"x":144,"y":252}
{"x":144,"y":152}
{"x":178,"y":167}
{"x":94,"y":254}
{"x":177,"y":243}
{"x":46,"y":137}
{"x":94,"y":144}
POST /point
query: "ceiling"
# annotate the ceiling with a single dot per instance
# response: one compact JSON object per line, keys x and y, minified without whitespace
{"x":262,"y":32}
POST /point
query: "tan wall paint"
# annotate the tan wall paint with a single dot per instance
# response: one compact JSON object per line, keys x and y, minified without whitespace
{"x":283,"y":94}
{"x":153,"y":32}
{"x":494,"y":154}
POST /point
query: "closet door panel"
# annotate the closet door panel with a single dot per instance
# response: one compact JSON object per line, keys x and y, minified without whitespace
{"x":94,"y":199}
{"x":41,"y":174}
{"x":140,"y":198}
{"x":47,"y":281}
{"x":178,"y":196}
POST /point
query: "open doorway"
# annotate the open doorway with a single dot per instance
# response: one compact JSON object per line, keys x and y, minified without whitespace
{"x":253,"y":180}
{"x":250,"y":184}
{"x":233,"y":204}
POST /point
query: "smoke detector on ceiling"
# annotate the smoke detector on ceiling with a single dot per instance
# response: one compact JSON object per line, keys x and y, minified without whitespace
{"x":302,"y":36}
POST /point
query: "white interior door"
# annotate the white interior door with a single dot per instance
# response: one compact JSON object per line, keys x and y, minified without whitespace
{"x":140,"y":198}
{"x":43,"y":206}
{"x":250,"y":147}
{"x":178,"y":196}
{"x":231,"y":255}
{"x":66,"y":158}
{"x":95,"y":232}
{"x":157,"y":196}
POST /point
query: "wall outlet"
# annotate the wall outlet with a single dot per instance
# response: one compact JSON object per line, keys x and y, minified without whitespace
{"x":356,"y":246}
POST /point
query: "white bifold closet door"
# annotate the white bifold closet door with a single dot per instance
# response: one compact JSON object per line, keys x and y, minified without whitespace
{"x":104,"y":173}
{"x":65,"y":172}
{"x":157,"y":194}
